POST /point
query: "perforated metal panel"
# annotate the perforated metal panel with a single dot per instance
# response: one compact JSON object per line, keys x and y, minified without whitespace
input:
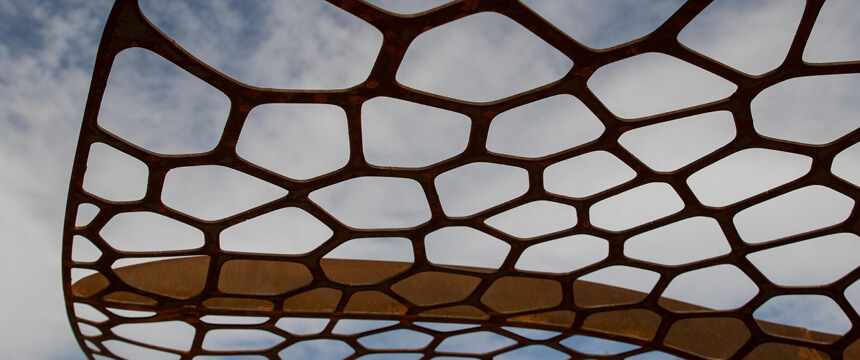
{"x":495,"y":308}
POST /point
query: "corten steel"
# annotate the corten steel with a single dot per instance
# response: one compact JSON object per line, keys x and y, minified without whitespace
{"x":215,"y":282}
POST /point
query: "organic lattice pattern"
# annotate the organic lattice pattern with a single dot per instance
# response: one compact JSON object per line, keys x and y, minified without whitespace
{"x":430,"y":309}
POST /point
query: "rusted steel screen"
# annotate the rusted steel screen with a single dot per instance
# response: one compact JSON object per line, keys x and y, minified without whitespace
{"x":422,"y":308}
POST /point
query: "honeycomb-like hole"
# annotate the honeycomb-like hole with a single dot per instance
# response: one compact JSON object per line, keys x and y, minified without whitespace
{"x":212,"y":192}
{"x":811,"y":110}
{"x":407,"y":7}
{"x":471,"y":58}
{"x":480,"y":342}
{"x":588,"y":22}
{"x":534,"y":219}
{"x":175,"y":335}
{"x":817,"y":261}
{"x":563,"y":255}
{"x":843,"y":165}
{"x":812,"y":312}
{"x":283,"y":231}
{"x":679,"y":243}
{"x":543,"y":127}
{"x":533,"y":352}
{"x":381,"y":249}
{"x":832,"y":36}
{"x":233,"y":320}
{"x":297,"y":33}
{"x":405,"y":134}
{"x":805,"y":209}
{"x":317,"y":349}
{"x":626,"y":277}
{"x":653,"y":83}
{"x":154,"y":104}
{"x":746,"y":173}
{"x":240,"y":339}
{"x":396,"y":339}
{"x":375,"y":202}
{"x":465,"y":246}
{"x":83,"y":250}
{"x":299,"y":141}
{"x":636,"y":206}
{"x":475,"y":187}
{"x":86,"y":213}
{"x":532,"y":334}
{"x":596,"y":346}
{"x":671,"y":145}
{"x":750,"y":38}
{"x":719,"y":287}
{"x":87,"y":312}
{"x":302,"y":326}
{"x":149,"y":231}
{"x":115,"y":175}
{"x":586,"y":174}
{"x":356,"y":326}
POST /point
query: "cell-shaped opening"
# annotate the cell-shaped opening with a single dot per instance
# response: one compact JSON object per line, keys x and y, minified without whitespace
{"x":653,"y":83}
{"x":533,"y":352}
{"x":317,"y":349}
{"x":832,"y":37}
{"x":149,"y":231}
{"x":175,"y":335}
{"x":475,"y":187}
{"x":805,"y":209}
{"x":393,"y":356}
{"x":852,"y":294}
{"x":240,"y":339}
{"x":89,"y":330}
{"x":465,"y":246}
{"x":302,"y":326}
{"x":299,"y":141}
{"x":586,"y":174}
{"x":212,"y":192}
{"x":513,"y":294}
{"x":396,"y":339}
{"x":407,"y":7}
{"x":193,"y":271}
{"x":480,"y":342}
{"x":131,"y":314}
{"x":817,"y":261}
{"x":625,"y":277}
{"x":563,"y":255}
{"x":233,"y":320}
{"x":154,"y":104}
{"x":262,"y":277}
{"x":405,"y":134}
{"x":719,"y":287}
{"x":532,"y":334}
{"x":679,"y":243}
{"x":543,"y":127}
{"x":381,"y":249}
{"x":844,"y":165}
{"x":597,"y":346}
{"x":746,"y":173}
{"x":87,"y":312}
{"x":83,"y":250}
{"x":671,"y":145}
{"x":78,"y":273}
{"x":534,"y":219}
{"x":129,"y":351}
{"x":114,"y":175}
{"x":811,"y":110}
{"x":448,"y":288}
{"x":751,"y":38}
{"x":481,"y":57}
{"x":373,"y":202}
{"x":587,"y":22}
{"x":444,"y":327}
{"x":652,"y":355}
{"x":356,"y":326}
{"x":283,"y":231}
{"x":86,"y":213}
{"x":812,"y":312}
{"x":229,"y":357}
{"x":636,"y":206}
{"x":283,"y":44}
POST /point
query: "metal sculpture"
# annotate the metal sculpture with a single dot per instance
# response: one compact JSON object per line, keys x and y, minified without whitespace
{"x":210,"y":281}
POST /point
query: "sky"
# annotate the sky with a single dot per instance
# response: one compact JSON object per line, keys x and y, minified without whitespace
{"x":48,"y":49}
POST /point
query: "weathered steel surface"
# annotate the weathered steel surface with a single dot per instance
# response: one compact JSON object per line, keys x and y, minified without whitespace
{"x":215,"y":282}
